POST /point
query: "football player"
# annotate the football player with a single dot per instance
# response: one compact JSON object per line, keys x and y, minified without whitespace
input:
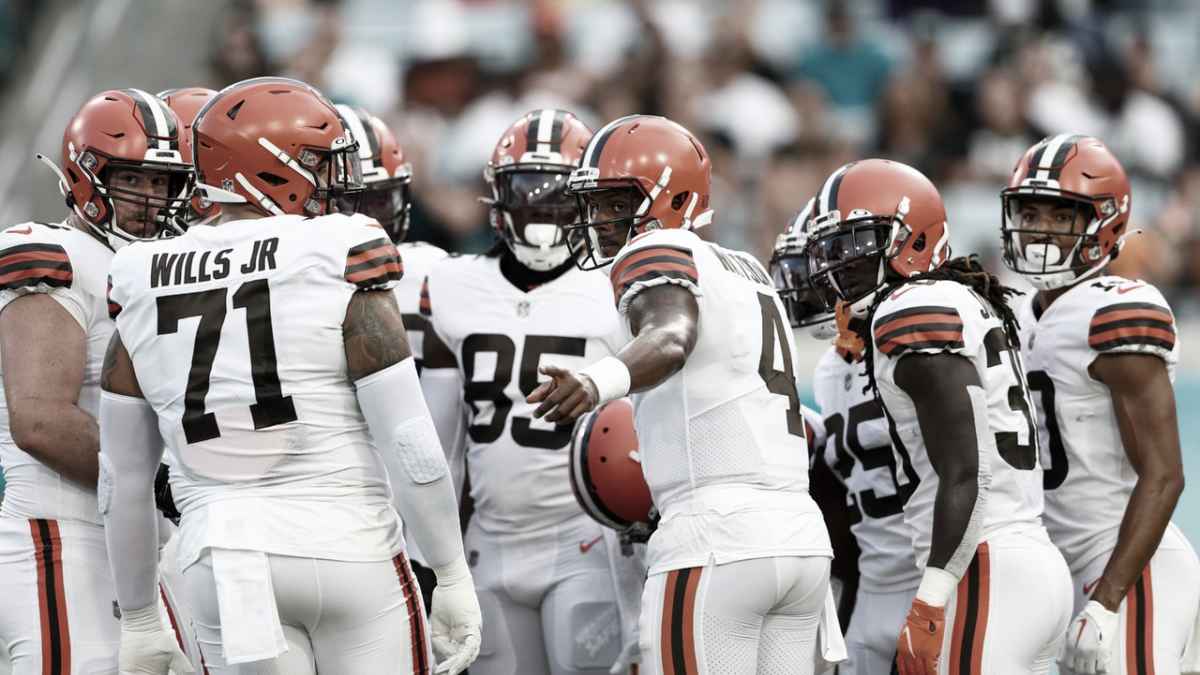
{"x":739,"y":564}
{"x":1100,"y":353}
{"x":187,"y":102}
{"x":384,"y":197}
{"x":943,"y":359}
{"x":856,"y":447}
{"x":542,"y":566}
{"x":268,"y":353}
{"x":123,"y":175}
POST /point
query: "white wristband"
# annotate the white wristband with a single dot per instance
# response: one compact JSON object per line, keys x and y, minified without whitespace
{"x":453,"y":572}
{"x":141,"y":620}
{"x":937,"y":585}
{"x":611,"y":377}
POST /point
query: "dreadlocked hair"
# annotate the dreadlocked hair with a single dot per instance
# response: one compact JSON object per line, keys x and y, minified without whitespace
{"x":965,"y":270}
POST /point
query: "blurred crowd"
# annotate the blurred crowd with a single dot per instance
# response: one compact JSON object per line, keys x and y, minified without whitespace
{"x":781,"y":92}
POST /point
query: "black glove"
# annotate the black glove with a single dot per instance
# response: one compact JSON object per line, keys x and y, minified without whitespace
{"x":162,"y":494}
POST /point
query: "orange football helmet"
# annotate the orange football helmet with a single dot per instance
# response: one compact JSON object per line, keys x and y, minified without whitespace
{"x":187,"y":102}
{"x":387,"y":177}
{"x":606,"y":473}
{"x":126,"y":129}
{"x":528,"y":171}
{"x":639,"y":172}
{"x":277,"y":145}
{"x":1080,"y":173}
{"x":874,"y":218}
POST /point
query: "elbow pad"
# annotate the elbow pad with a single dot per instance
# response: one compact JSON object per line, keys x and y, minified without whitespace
{"x":395,"y":410}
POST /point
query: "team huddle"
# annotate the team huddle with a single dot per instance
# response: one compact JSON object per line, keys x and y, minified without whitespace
{"x":249,"y":429}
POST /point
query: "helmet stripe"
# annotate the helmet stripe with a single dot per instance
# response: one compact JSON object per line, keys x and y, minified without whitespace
{"x":827,"y":199}
{"x":591,"y":157}
{"x":556,"y":131}
{"x":1060,"y":157}
{"x":543,"y":131}
{"x":360,"y":130}
{"x":1043,"y":159}
{"x":152,"y":117}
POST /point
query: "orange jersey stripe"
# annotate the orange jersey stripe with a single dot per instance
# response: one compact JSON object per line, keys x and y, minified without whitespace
{"x":684,"y":256}
{"x":381,"y":250}
{"x":34,"y":273}
{"x":905,"y":322}
{"x":1134,"y":332}
{"x":59,"y":256}
{"x":382,"y":271}
{"x":1126,"y":314}
{"x":652,"y":269}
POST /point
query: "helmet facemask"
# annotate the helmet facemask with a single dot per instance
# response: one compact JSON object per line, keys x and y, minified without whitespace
{"x":335,"y":174}
{"x":160,"y":210}
{"x":531,"y":211}
{"x":808,"y":299}
{"x":852,"y":255}
{"x":1066,"y":251}
{"x":612,"y":214}
{"x":387,"y":201}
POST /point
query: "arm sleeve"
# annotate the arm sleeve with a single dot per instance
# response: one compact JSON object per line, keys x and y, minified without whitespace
{"x":130,"y":450}
{"x":399,"y":421}
{"x":442,"y":388}
{"x":657,"y":258}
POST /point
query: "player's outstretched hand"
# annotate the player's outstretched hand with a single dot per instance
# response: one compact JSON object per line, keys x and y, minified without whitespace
{"x":564,"y":397}
{"x":147,"y":647}
{"x":455,"y":621}
{"x":1090,"y":639}
{"x":920,"y":641}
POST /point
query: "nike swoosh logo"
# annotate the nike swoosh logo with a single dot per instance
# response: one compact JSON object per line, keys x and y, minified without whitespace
{"x":13,"y":230}
{"x":1123,"y":291}
{"x":585,"y":546}
{"x":1087,"y":588}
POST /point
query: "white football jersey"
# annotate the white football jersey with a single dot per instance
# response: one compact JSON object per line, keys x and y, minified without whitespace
{"x":499,"y":335}
{"x":235,"y":332}
{"x":722,"y":441}
{"x":418,"y":258}
{"x":1088,"y":477}
{"x":70,"y":266}
{"x":930,"y":317}
{"x":859,"y":451}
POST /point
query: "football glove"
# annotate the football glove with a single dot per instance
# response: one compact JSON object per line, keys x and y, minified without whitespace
{"x":147,"y":647}
{"x":920,"y":642}
{"x":1090,"y":640}
{"x":454,"y":619}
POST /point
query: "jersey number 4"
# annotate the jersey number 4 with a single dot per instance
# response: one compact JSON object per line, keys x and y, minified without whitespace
{"x":271,"y":407}
{"x":782,"y":382}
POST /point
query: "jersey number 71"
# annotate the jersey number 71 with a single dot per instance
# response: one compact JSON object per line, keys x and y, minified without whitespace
{"x":271,"y":407}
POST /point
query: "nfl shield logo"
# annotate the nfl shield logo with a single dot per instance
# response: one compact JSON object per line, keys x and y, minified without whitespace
{"x":523,"y":309}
